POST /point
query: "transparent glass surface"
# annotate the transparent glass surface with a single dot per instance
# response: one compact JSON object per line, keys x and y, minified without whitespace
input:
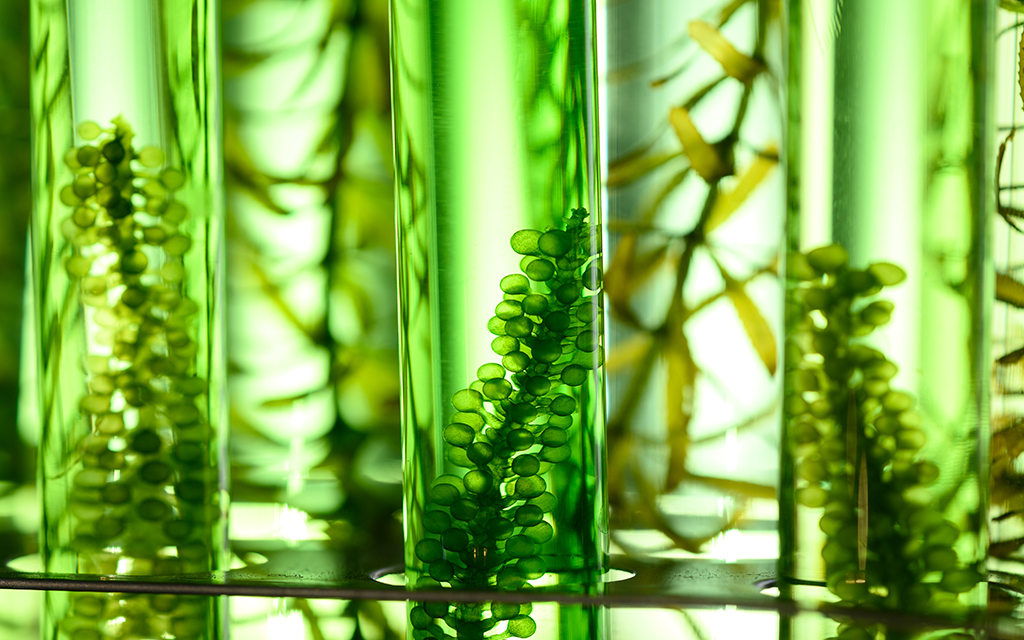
{"x":1006,"y":525}
{"x":124,"y":256}
{"x":884,"y":473}
{"x":695,"y":217}
{"x":499,"y":273}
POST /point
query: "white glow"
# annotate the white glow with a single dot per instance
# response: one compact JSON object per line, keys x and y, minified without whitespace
{"x":284,"y":621}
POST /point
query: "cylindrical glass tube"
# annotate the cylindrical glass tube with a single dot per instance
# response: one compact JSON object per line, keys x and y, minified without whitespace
{"x":499,"y":274}
{"x":15,"y":457}
{"x":695,"y":216}
{"x":125,"y":259}
{"x":884,"y":472}
{"x":1006,"y":523}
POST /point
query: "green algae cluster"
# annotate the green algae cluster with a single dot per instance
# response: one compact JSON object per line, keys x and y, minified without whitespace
{"x":142,"y":488}
{"x":487,"y":527}
{"x":857,"y":446}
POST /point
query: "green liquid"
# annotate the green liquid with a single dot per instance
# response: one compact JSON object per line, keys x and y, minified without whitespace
{"x":883,"y":495}
{"x":500,"y":316}
{"x":124,"y":248}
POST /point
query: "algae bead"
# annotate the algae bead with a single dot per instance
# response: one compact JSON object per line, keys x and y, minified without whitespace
{"x":508,"y":309}
{"x":454,"y":539}
{"x":504,"y":610}
{"x":498,"y":389}
{"x":478,"y":481}
{"x":420,"y":619}
{"x":436,"y":521}
{"x":537,"y":385}
{"x":562,"y":405}
{"x":557,"y":321}
{"x":504,"y":345}
{"x":535,"y":304}
{"x":554,"y":243}
{"x":526,"y":241}
{"x":499,"y":528}
{"x":554,"y":436}
{"x":153,"y":509}
{"x":526,"y":465}
{"x":480,"y":452}
{"x":515,"y":283}
{"x":458,"y":434}
{"x":467,"y":400}
{"x":828,"y":258}
{"x":540,"y":532}
{"x":527,"y":487}
{"x":540,"y":270}
{"x":490,"y":371}
{"x":444,"y":494}
{"x":522,"y":627}
{"x":555,"y":454}
{"x":520,"y":439}
{"x":547,"y":351}
{"x":519,"y":327}
{"x":520,"y":546}
{"x":441,"y":571}
{"x":529,"y":515}
{"x":464,"y":509}
{"x":574,"y":375}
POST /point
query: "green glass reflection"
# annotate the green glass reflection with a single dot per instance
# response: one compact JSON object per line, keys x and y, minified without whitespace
{"x":124,"y":257}
{"x":499,"y":239}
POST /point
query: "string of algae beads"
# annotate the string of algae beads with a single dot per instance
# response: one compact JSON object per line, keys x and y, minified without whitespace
{"x":857,"y":446}
{"x":487,"y":528}
{"x":141,"y":487}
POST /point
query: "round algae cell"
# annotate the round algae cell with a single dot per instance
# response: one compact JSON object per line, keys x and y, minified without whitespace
{"x":554,"y":243}
{"x":467,"y":400}
{"x":515,"y":283}
{"x":499,"y":528}
{"x":529,"y":515}
{"x":89,"y":130}
{"x":520,"y":439}
{"x":520,"y":546}
{"x":540,"y":270}
{"x":508,"y":309}
{"x":454,"y":539}
{"x":828,"y":258}
{"x":562,"y":405}
{"x":525,"y":242}
{"x":574,"y":375}
{"x":527,"y":487}
{"x":478,"y":481}
{"x":458,"y":434}
{"x":497,"y":389}
{"x":490,"y":371}
{"x":480,"y":452}
{"x":436,"y":521}
{"x":537,"y":385}
{"x":444,"y":494}
{"x":535,"y":304}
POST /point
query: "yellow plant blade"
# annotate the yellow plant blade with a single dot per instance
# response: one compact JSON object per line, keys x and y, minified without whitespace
{"x":624,"y":171}
{"x":682,"y":372}
{"x":737,"y":487}
{"x":627,"y":271}
{"x":736,"y":65}
{"x":756,"y":326}
{"x":727,"y":203}
{"x":1009,"y":290}
{"x":1013,"y":357}
{"x":703,"y":157}
{"x":727,"y":12}
{"x":627,"y":353}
